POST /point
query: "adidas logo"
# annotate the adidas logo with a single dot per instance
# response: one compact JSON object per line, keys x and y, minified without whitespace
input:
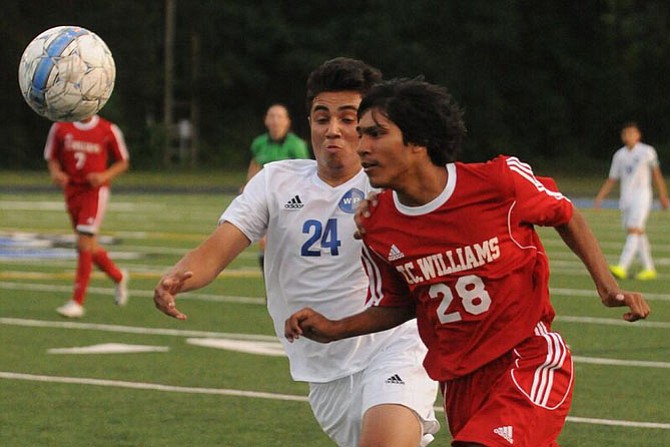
{"x":294,"y":204}
{"x":395,"y":254}
{"x":395,"y":379}
{"x":505,"y":432}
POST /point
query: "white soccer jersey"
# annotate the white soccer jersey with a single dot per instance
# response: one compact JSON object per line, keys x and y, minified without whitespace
{"x":633,"y":167}
{"x":311,"y":259}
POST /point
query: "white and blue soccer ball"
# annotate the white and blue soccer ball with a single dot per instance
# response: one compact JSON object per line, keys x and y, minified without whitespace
{"x":67,"y":73}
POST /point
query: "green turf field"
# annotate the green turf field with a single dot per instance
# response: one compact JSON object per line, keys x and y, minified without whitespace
{"x":185,"y":394}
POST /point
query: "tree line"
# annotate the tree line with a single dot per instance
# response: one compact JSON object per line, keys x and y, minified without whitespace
{"x":547,"y":81}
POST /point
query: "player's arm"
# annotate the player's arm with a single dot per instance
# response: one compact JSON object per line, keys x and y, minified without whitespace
{"x":199,"y":267}
{"x":116,"y":169}
{"x":58,"y":176}
{"x":578,"y":236}
{"x":604,"y":190}
{"x":311,"y":324}
{"x":661,"y":187}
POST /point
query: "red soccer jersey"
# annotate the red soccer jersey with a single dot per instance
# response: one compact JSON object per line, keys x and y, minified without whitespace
{"x":84,"y":147}
{"x":470,"y":262}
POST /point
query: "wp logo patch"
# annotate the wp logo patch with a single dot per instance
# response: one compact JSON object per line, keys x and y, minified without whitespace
{"x":350,"y":200}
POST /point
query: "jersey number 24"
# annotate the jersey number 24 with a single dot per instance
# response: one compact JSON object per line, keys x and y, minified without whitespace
{"x":321,"y":238}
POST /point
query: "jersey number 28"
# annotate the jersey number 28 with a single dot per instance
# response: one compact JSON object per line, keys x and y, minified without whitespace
{"x":472,"y":293}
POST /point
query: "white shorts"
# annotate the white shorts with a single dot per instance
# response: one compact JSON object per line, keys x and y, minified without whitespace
{"x":636,"y":214}
{"x":395,"y":376}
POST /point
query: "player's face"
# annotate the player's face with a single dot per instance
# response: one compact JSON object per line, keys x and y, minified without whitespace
{"x":630,"y":136}
{"x":332,"y":121}
{"x":384,"y":156}
{"x":277,"y":122}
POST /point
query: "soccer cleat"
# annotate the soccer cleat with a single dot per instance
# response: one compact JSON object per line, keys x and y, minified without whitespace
{"x":618,"y":272}
{"x":121,"y":292}
{"x":71,"y":309}
{"x":646,"y":275}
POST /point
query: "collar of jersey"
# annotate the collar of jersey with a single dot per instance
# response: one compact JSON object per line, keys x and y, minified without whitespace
{"x":433,"y":204}
{"x":88,"y":125}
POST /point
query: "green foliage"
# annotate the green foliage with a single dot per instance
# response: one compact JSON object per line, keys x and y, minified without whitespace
{"x":537,"y":79}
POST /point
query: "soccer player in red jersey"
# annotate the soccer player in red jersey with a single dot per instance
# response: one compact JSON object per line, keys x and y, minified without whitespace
{"x":83,"y":157}
{"x":454,"y":245}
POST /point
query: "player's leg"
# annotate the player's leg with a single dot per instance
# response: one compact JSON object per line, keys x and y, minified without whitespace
{"x":75,"y":307}
{"x":85,"y":244}
{"x":390,"y":425}
{"x":398,"y":396}
{"x":333,"y":404}
{"x":644,"y":250}
{"x":521,"y":398}
{"x":95,"y":207}
{"x":630,"y":248}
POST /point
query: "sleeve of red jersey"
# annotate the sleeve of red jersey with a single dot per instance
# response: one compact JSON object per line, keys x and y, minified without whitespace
{"x":51,"y":148}
{"x":538,"y":201}
{"x":386,"y":288}
{"x":118,"y":143}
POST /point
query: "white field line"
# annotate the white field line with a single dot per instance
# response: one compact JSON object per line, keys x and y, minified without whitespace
{"x":8,"y":285}
{"x":262,"y":395}
{"x":257,"y":337}
{"x":613,"y":322}
{"x":48,"y":288}
{"x":591,"y":293}
{"x":616,"y":362}
{"x":132,"y":329}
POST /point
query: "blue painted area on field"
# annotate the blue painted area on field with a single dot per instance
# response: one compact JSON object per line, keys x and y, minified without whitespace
{"x":7,"y":254}
{"x":583,"y":203}
{"x":32,"y":247}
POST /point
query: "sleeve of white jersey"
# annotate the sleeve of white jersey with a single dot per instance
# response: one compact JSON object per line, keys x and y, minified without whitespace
{"x":653,"y":158}
{"x":249,"y":211}
{"x":615,"y":167}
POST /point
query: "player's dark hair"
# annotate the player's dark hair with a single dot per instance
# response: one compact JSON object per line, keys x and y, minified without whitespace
{"x":341,"y":74}
{"x":425,"y":113}
{"x":629,"y":124}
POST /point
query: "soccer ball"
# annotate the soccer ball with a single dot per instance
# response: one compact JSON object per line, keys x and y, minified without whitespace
{"x":67,"y":73}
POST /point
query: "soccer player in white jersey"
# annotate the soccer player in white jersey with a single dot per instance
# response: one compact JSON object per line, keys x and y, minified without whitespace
{"x":635,"y":165}
{"x":367,"y":391}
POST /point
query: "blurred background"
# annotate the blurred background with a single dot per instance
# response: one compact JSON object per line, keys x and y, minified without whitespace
{"x":549,"y":81}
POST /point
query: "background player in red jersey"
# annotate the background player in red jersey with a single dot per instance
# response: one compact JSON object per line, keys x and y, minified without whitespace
{"x":454,"y":245}
{"x":78,"y":155}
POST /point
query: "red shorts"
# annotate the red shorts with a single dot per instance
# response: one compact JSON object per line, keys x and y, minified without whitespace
{"x":86,"y":207}
{"x":519,"y":399}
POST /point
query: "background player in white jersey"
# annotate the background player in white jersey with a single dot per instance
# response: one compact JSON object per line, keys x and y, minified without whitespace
{"x":635,"y":165}
{"x":369,"y":391}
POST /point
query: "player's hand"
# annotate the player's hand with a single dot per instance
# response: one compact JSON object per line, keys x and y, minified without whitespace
{"x":308,"y":323}
{"x":61,"y":179}
{"x":639,"y":309}
{"x":165,"y":293}
{"x":665,"y":202}
{"x":364,"y":211}
{"x":597,"y":203}
{"x":96,"y":179}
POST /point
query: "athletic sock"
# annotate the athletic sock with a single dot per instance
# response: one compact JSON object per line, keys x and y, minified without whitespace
{"x":101,"y":259}
{"x":645,"y":253}
{"x":629,"y":250}
{"x":84,"y":267}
